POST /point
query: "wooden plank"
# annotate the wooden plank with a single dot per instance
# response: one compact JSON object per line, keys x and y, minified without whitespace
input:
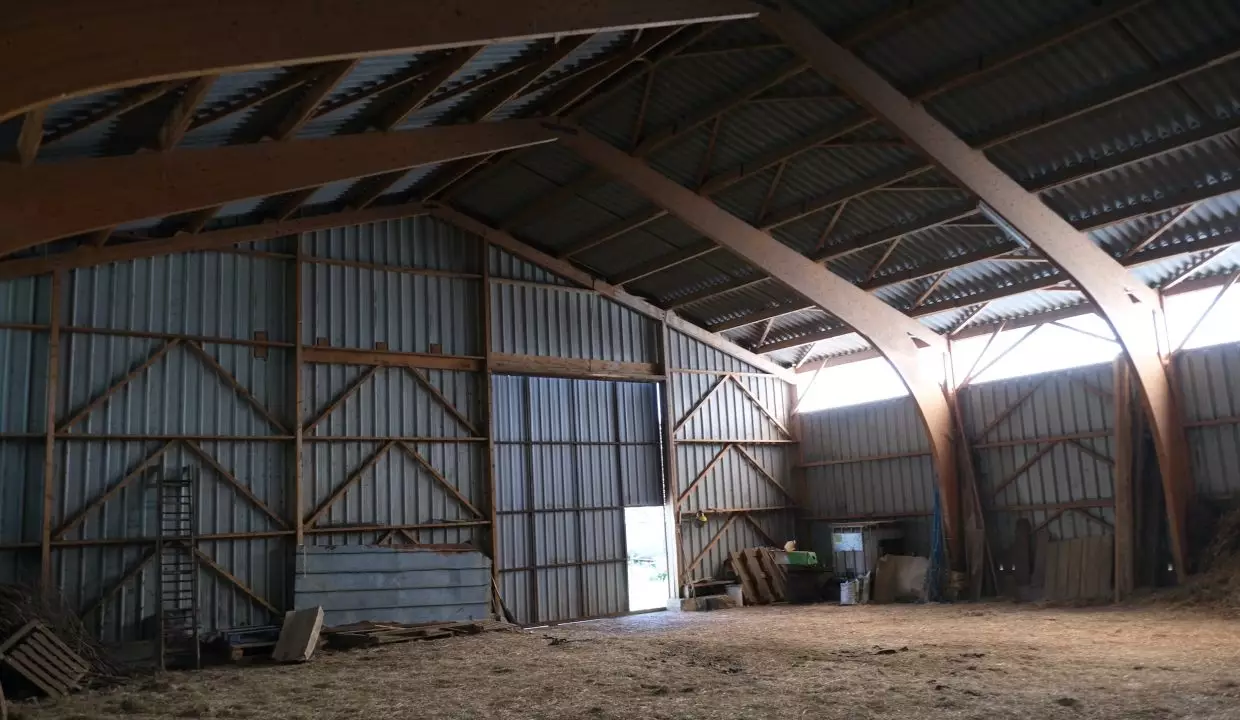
{"x":1125,"y":579}
{"x":761,"y":408}
{"x":348,"y":356}
{"x":761,"y":581}
{"x":443,"y":401}
{"x":197,"y":349}
{"x":776,"y":575}
{"x":443,"y":482}
{"x":137,"y":472}
{"x":572,"y":367}
{"x":299,"y":636}
{"x":748,"y":585}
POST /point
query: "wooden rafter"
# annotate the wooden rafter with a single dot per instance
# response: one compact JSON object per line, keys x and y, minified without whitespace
{"x":131,"y":100}
{"x":30,"y":136}
{"x":177,"y":122}
{"x":314,"y":93}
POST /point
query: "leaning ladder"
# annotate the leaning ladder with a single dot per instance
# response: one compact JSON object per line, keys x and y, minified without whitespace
{"x":176,"y":542}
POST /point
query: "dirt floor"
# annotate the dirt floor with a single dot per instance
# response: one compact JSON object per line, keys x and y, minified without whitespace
{"x":964,"y":661}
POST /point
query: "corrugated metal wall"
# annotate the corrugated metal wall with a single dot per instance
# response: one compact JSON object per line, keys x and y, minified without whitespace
{"x":187,"y":361}
{"x":1042,"y":451}
{"x":1051,"y":459}
{"x":1210,"y":383}
{"x":868,"y":463}
{"x":570,"y":455}
{"x":733,"y":455}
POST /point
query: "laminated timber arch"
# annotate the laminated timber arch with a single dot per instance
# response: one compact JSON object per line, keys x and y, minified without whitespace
{"x":58,"y":49}
{"x":45,"y":202}
{"x":1131,"y":308}
{"x":890,"y":331}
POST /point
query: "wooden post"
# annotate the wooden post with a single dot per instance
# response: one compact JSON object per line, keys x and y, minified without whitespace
{"x":298,"y":400}
{"x":488,"y":408}
{"x":49,"y":438}
{"x":666,"y":388}
{"x":1124,"y":568}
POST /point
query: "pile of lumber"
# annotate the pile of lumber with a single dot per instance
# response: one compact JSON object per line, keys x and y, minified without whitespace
{"x":763,"y":581}
{"x":372,"y":634}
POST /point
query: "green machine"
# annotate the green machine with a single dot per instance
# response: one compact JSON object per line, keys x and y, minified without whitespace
{"x":804,"y":576}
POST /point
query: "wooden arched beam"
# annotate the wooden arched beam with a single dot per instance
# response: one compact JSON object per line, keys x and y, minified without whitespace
{"x":1131,"y":308}
{"x":56,"y":49}
{"x":891,"y":332}
{"x":54,"y":200}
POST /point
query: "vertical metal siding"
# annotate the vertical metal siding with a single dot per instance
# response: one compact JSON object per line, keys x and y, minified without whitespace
{"x":23,"y":391}
{"x":733,"y":485}
{"x":570,"y":455}
{"x":1069,"y":403}
{"x":1210,"y":382}
{"x":688,"y":354}
{"x":222,"y":295}
{"x":895,"y":487}
{"x":571,"y":323}
{"x":509,"y":267}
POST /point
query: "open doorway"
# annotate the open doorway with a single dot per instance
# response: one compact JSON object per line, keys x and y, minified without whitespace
{"x":649,"y":574}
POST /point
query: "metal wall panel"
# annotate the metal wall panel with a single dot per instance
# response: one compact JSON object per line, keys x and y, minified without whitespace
{"x":571,"y":323}
{"x":569,"y":456}
{"x":357,"y":307}
{"x":1074,"y":410}
{"x":23,"y":402}
{"x":223,"y":295}
{"x":879,"y":468}
{"x":357,"y":583}
{"x":733,"y":462}
{"x":1210,"y":380}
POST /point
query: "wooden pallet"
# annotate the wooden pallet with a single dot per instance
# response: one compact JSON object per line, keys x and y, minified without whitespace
{"x":35,"y":653}
{"x":762,"y":581}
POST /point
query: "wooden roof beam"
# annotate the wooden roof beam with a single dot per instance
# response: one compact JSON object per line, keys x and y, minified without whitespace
{"x":1128,"y":305}
{"x":893,"y":333}
{"x":114,"y":190}
{"x":117,"y":49}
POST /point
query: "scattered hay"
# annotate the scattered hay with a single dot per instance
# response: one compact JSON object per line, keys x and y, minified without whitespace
{"x":770,"y":662}
{"x":1217,"y":587}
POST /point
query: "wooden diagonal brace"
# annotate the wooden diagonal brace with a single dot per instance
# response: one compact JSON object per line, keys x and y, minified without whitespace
{"x":702,"y":474}
{"x":701,"y":401}
{"x":765,"y":475}
{"x":760,"y":530}
{"x":345,"y":395}
{"x":236,"y":484}
{"x":115,"y":387}
{"x":1025,"y":467}
{"x":231,"y":579}
{"x":240,"y":389}
{"x":762,"y":408}
{"x":134,"y":474}
{"x":697,"y":559}
{"x":443,"y":482}
{"x":1082,"y":447}
{"x":1007,"y":412}
{"x":336,"y":494}
{"x":435,"y":392}
{"x":115,"y":587}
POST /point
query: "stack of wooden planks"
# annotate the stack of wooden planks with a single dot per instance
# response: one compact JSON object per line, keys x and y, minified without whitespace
{"x":763,"y":581}
{"x":372,"y":634}
{"x":35,"y":653}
